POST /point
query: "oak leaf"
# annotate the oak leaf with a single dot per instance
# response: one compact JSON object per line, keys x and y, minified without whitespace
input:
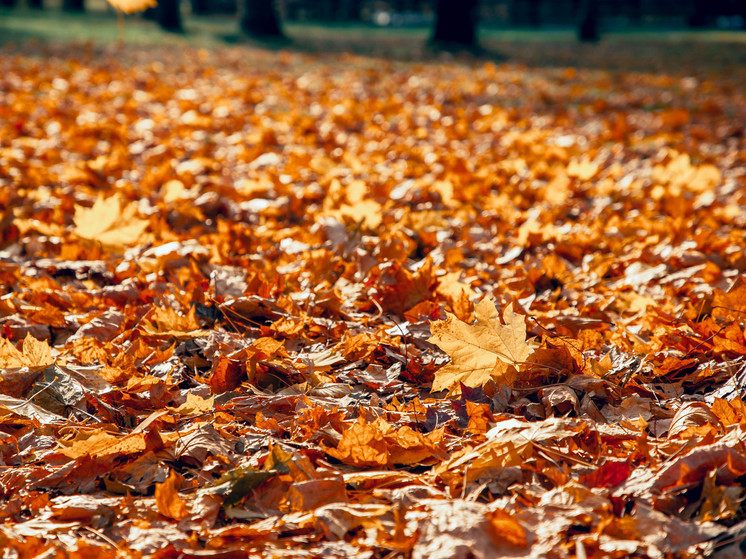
{"x":481,"y":352}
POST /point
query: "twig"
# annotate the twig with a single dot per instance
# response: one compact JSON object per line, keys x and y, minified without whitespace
{"x":104,"y":537}
{"x":120,"y":26}
{"x":28,"y":400}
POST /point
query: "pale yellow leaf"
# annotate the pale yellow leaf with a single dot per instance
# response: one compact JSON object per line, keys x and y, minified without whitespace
{"x":196,"y":405}
{"x":482,"y":352}
{"x":108,"y":223}
{"x":35,"y":354}
{"x":10,"y":357}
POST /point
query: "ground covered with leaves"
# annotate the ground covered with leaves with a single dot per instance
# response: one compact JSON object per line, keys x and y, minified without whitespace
{"x":281,"y":305}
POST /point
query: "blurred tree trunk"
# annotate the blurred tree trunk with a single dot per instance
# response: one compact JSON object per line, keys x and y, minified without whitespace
{"x":525,"y":12}
{"x":701,"y":13}
{"x":168,"y":15}
{"x":73,"y":5}
{"x":36,"y":4}
{"x":259,"y":19}
{"x":350,"y":10}
{"x":634,"y":12}
{"x":341,"y":10}
{"x":455,"y":24}
{"x":588,"y":21}
{"x":200,"y":7}
{"x":8,"y":3}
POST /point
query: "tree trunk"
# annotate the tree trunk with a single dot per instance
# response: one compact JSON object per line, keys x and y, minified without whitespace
{"x":259,"y":19}
{"x":634,"y":12}
{"x":455,"y":24}
{"x":169,"y":15}
{"x":8,"y":3}
{"x":36,"y":4}
{"x":525,"y":13}
{"x":588,"y":21}
{"x":200,"y":7}
{"x":73,"y":5}
{"x":700,"y":15}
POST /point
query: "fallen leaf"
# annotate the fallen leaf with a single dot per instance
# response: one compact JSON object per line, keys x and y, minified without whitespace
{"x":483,"y":352}
{"x":34,"y":354}
{"x":168,"y":500}
{"x":109,"y":222}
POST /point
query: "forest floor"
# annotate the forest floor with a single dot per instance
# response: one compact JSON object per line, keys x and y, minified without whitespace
{"x":300,"y":303}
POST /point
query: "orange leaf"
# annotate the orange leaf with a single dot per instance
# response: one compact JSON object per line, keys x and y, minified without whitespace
{"x":167,"y":498}
{"x":227,"y":375}
{"x":503,"y":527}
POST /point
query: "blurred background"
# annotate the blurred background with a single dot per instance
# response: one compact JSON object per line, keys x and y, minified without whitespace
{"x":445,"y":23}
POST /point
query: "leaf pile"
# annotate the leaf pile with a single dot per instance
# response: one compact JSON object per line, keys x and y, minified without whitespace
{"x":283,"y":305}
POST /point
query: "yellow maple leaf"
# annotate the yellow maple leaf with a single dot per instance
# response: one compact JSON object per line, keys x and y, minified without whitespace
{"x":166,"y":321}
{"x":195,"y":405}
{"x":457,"y":294}
{"x":352,"y":202}
{"x":35,"y":354}
{"x":481,"y":352}
{"x":109,"y":222}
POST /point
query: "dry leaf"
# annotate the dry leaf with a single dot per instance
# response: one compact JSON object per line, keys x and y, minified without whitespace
{"x":168,"y":500}
{"x":109,"y":222}
{"x":482,"y":352}
{"x":35,"y":354}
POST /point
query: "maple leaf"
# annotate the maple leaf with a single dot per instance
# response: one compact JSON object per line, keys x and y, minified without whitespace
{"x":109,"y":223}
{"x":481,"y":352}
{"x":358,"y":209}
{"x":457,"y":294}
{"x":379,"y":444}
{"x":35,"y":354}
{"x":167,"y":498}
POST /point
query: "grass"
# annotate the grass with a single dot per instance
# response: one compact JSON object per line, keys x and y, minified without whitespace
{"x":674,"y":50}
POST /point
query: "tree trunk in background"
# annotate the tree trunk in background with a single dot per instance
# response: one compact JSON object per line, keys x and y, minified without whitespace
{"x":8,"y":3}
{"x":341,"y":10}
{"x":36,"y":4}
{"x":169,"y":15}
{"x":259,"y":19}
{"x":455,"y":24}
{"x":634,"y":12}
{"x":700,"y":15}
{"x":200,"y":7}
{"x":588,"y":21}
{"x":73,"y":5}
{"x":525,"y":13}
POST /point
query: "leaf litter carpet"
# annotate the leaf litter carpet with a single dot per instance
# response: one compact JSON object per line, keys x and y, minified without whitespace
{"x":280,"y":305}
